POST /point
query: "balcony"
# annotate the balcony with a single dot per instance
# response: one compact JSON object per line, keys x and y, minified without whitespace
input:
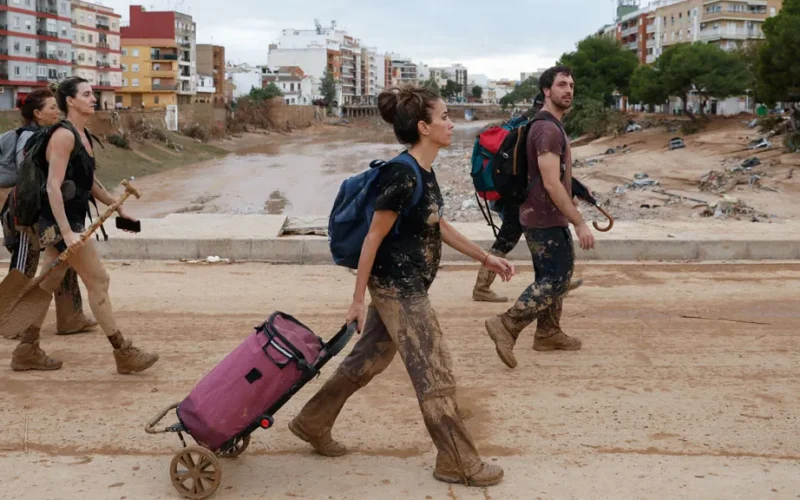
{"x":164,"y":57}
{"x":50,"y":57}
{"x":103,"y":26}
{"x":651,"y":28}
{"x":719,"y":34}
{"x":633,"y":45}
{"x":736,"y":16}
{"x":103,"y":45}
{"x":52,"y":34}
{"x":103,"y":64}
{"x":45,"y":9}
{"x":650,"y":59}
{"x":165,"y":87}
{"x":650,"y":43}
{"x":186,"y":45}
{"x":630,"y":31}
{"x":162,"y":73}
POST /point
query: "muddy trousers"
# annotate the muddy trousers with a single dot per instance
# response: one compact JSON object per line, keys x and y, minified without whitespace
{"x":553,"y":262}
{"x":510,"y":230}
{"x":407,"y":325}
{"x":25,"y":258}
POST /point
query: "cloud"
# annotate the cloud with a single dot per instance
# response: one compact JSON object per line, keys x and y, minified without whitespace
{"x":499,"y":39}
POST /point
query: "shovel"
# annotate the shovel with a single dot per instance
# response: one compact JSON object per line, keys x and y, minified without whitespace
{"x":582,"y":192}
{"x":21,"y":298}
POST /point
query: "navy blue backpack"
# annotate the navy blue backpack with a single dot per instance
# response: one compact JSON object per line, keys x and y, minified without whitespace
{"x":354,"y":207}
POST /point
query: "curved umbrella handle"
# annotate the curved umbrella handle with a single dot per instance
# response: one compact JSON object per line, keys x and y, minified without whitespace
{"x":608,"y":216}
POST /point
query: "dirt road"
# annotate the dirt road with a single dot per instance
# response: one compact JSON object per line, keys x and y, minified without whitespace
{"x":656,"y":405}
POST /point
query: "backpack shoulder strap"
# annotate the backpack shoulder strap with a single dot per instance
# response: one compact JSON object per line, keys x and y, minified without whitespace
{"x":406,"y":159}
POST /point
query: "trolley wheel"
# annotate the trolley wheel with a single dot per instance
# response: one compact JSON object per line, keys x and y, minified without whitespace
{"x":195,"y":472}
{"x":238,"y":448}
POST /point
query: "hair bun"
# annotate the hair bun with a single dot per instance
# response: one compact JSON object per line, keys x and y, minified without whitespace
{"x":388,"y":101}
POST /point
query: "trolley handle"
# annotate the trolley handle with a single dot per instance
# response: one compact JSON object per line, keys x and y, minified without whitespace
{"x":150,"y":427}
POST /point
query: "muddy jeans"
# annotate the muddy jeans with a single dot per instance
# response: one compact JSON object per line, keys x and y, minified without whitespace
{"x":510,"y":230}
{"x":409,"y":325}
{"x":553,"y":261}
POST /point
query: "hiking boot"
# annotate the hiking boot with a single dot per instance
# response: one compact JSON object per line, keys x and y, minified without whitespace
{"x":31,"y":357}
{"x":487,"y":475}
{"x":132,"y":359}
{"x":481,"y":292}
{"x":314,"y":422}
{"x":503,"y":339}
{"x":576,"y":283}
{"x":549,"y":336}
{"x":325,"y":445}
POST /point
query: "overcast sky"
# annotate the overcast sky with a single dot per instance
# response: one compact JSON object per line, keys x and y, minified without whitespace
{"x":498,"y":39}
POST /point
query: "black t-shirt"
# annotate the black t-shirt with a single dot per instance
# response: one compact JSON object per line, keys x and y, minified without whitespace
{"x":407,"y":261}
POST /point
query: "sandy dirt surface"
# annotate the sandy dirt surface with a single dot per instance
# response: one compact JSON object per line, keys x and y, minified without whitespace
{"x":656,"y":405}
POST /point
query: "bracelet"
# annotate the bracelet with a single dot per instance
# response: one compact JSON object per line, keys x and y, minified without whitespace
{"x":486,"y":258}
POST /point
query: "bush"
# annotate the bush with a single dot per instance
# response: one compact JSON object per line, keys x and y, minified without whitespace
{"x":692,"y":127}
{"x":119,"y":141}
{"x":196,"y":131}
{"x":591,"y":116}
{"x":769,"y":123}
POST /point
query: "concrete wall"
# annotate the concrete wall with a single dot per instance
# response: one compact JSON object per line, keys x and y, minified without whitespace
{"x":293,"y":116}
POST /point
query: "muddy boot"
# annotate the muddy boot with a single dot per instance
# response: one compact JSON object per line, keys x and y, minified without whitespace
{"x":457,"y":460}
{"x":29,"y":356}
{"x":549,"y":336}
{"x":315,"y":421}
{"x":132,"y":359}
{"x":481,"y":292}
{"x":487,"y":475}
{"x":69,"y":307}
{"x":504,"y":340}
{"x":576,"y":283}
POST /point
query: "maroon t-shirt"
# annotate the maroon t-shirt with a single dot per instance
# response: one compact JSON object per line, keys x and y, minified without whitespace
{"x":538,"y":210}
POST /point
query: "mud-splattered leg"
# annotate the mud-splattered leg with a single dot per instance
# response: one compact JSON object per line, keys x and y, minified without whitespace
{"x":70,"y":317}
{"x":370,"y":356}
{"x":413,"y":325}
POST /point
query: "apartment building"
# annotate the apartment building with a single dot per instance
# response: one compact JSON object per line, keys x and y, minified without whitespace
{"x":731,"y":23}
{"x":297,"y":87}
{"x":158,"y":59}
{"x":402,"y":71}
{"x":373,"y":79}
{"x":96,"y":49}
{"x":211,"y":61}
{"x":35,"y":46}
{"x":351,"y":71}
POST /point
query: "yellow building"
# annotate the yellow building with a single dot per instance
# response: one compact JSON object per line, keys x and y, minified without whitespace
{"x":150,"y":73}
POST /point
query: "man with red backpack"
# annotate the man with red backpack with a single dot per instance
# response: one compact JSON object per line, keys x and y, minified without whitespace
{"x":507,"y":237}
{"x":545,"y":214}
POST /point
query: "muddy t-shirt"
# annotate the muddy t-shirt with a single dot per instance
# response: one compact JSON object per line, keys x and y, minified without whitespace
{"x":407,"y":261}
{"x":538,"y":211}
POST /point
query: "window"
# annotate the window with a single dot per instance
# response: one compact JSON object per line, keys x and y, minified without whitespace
{"x":125,"y":68}
{"x":91,"y":19}
{"x":64,"y":31}
{"x":124,"y":82}
{"x":51,"y":25}
{"x":91,"y":58}
{"x":41,"y":71}
{"x":114,"y":61}
{"x":83,"y":37}
{"x":28,"y":71}
{"x":91,"y":38}
{"x":16,"y":70}
{"x":16,"y":21}
{"x":28,"y":25}
{"x":135,"y":68}
{"x":135,"y":82}
{"x":16,"y":46}
{"x":114,"y":26}
{"x":155,"y":99}
{"x":28,"y":3}
{"x":64,"y":7}
{"x":28,"y":49}
{"x":52,"y":73}
{"x":135,"y":52}
{"x":124,"y":52}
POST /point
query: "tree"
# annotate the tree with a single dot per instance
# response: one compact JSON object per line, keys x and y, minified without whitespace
{"x":524,"y":91}
{"x":431,"y":84}
{"x":477,"y":91}
{"x":600,"y":66}
{"x":265,"y":94}
{"x":749,"y":55}
{"x":704,"y":68}
{"x":328,"y":89}
{"x":450,"y":90}
{"x":647,"y":87}
{"x":779,"y":56}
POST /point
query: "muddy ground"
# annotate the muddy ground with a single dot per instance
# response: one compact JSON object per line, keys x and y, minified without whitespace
{"x":656,"y":405}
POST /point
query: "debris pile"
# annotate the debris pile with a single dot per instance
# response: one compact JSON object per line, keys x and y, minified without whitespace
{"x":640,"y":181}
{"x":733,"y":207}
{"x":720,"y":182}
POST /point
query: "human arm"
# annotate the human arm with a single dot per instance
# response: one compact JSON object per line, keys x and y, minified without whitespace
{"x":102,"y":195}
{"x":453,"y":238}
{"x":550,"y":168}
{"x":382,"y":223}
